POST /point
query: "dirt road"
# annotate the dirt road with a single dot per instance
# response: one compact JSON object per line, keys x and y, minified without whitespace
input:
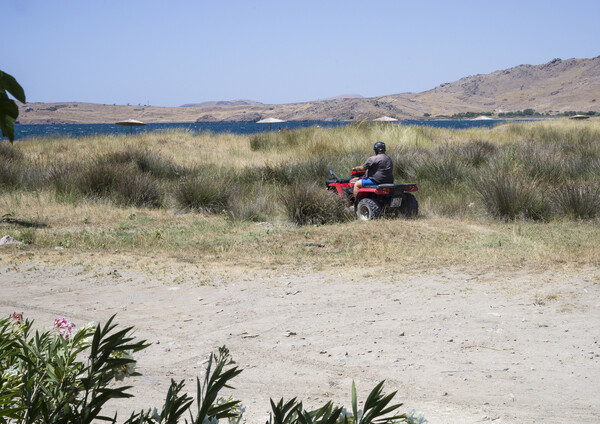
{"x":464,"y":347}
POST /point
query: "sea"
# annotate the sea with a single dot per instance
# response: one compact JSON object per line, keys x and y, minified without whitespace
{"x":23,"y":131}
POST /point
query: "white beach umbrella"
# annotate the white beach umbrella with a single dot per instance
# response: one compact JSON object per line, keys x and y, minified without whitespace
{"x":579,"y":117}
{"x":385,"y":119}
{"x":270,"y":121}
{"x":482,"y":118}
{"x":131,"y":123}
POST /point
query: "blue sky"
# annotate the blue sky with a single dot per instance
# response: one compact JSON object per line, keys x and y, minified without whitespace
{"x":168,"y":53}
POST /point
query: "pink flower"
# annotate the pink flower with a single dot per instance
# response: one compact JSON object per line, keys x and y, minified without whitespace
{"x":17,"y":317}
{"x":63,"y":326}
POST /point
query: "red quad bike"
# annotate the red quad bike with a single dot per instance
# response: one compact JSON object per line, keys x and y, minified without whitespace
{"x":375,"y":201}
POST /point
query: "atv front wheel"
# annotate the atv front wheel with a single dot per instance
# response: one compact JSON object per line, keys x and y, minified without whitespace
{"x":368,"y":209}
{"x":409,"y":207}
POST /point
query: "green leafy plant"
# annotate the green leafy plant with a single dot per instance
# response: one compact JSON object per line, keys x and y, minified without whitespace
{"x":44,"y":380}
{"x":9,"y":111}
{"x":209,"y":406}
{"x":377,"y":409}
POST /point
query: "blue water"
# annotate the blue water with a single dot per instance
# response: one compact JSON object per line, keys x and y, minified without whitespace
{"x":83,"y":130}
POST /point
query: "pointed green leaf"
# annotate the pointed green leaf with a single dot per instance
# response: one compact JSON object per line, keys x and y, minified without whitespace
{"x":10,"y":84}
{"x":7,"y":126}
{"x":354,"y":403}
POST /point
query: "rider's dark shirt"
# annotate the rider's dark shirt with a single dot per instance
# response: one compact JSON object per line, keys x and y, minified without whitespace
{"x":380,"y":169}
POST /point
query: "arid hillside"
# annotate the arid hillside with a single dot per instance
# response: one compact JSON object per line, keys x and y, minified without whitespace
{"x":557,"y":86}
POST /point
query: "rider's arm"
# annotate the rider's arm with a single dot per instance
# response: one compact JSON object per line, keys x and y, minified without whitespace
{"x":359,"y":168}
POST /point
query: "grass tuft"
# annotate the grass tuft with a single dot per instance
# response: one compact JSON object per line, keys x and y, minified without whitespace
{"x":578,"y":201}
{"x":121,"y":183}
{"x":509,"y":195}
{"x":202,"y":193}
{"x":309,"y":204}
{"x":147,"y":161}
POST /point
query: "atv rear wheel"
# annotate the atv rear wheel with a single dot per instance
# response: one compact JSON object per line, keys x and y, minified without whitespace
{"x":368,"y":209}
{"x":409,"y":207}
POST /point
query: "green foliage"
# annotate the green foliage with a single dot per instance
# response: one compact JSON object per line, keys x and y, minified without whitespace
{"x":9,"y":111}
{"x":476,"y":153}
{"x":509,"y":194}
{"x":10,"y":153}
{"x":210,"y":408}
{"x":206,"y":193}
{"x":146,"y":161}
{"x":578,"y":112}
{"x":309,"y":204}
{"x":580,"y":201}
{"x":11,"y":166}
{"x":44,"y":380}
{"x":456,"y":172}
{"x":470,"y":115}
{"x":254,"y":204}
{"x":441,"y":169}
{"x":527,"y":113}
{"x":376,"y":410}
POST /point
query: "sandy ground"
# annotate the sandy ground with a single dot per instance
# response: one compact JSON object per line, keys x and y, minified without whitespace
{"x":464,"y":347}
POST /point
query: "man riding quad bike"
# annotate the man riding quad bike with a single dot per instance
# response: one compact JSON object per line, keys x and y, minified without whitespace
{"x":371,"y":189}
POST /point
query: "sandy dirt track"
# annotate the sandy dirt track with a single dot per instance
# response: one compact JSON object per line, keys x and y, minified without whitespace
{"x":506,"y":347}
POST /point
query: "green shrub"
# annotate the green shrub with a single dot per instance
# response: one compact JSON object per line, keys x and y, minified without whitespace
{"x":45,"y":379}
{"x":275,"y":174}
{"x":10,"y":174}
{"x":307,"y":204}
{"x":440,"y":169}
{"x":59,"y":377}
{"x":98,"y":179}
{"x":255,"y":205}
{"x":404,"y":160}
{"x":63,"y":178}
{"x":146,"y":161}
{"x":263,"y":141}
{"x":140,"y":190}
{"x":508,"y":194}
{"x":123,"y":184}
{"x":11,"y":152}
{"x":376,"y":410}
{"x":457,"y":203}
{"x":476,"y":153}
{"x":206,"y":193}
{"x":27,"y":235}
{"x":578,"y":200}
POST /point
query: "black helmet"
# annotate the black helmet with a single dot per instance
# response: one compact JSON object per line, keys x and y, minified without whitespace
{"x":379,"y":147}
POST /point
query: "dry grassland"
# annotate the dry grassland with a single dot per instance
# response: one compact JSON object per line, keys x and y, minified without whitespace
{"x":92,"y":226}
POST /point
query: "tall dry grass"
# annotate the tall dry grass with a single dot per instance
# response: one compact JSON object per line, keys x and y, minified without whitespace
{"x":184,"y":190}
{"x":451,"y":166}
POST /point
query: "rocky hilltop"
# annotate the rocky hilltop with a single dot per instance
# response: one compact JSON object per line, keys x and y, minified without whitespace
{"x":557,"y":86}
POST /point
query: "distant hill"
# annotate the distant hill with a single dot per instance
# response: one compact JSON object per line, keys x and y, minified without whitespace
{"x":345,"y":96}
{"x":224,"y":103}
{"x":557,"y":86}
